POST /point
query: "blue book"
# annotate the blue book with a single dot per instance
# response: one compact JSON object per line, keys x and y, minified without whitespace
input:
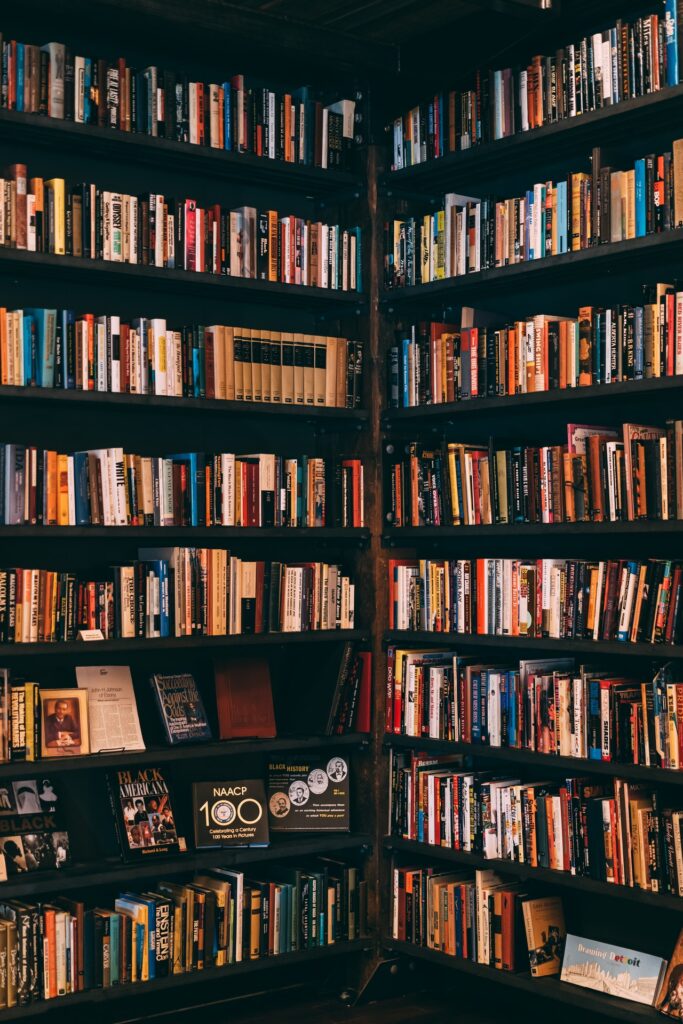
{"x":30,"y":332}
{"x":20,"y":76}
{"x":639,"y":168}
{"x":87,"y":84}
{"x":68,"y":319}
{"x":404,"y":376}
{"x":638,"y":344}
{"x":562,"y":216}
{"x":46,"y":336}
{"x":611,"y":969}
{"x":512,"y":689}
{"x":541,"y":252}
{"x":498,"y":103}
{"x":82,"y":500}
{"x":595,"y":738}
{"x":430,"y":120}
{"x":476,"y":706}
{"x":114,"y":947}
{"x":671,"y":39}
{"x":527,"y":226}
{"x":227,"y":115}
{"x":181,"y":708}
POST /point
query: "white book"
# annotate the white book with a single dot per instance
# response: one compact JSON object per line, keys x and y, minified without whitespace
{"x":112,"y":709}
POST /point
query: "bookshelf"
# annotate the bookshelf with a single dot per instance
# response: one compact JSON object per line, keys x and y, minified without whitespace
{"x":173,"y":36}
{"x":604,"y":275}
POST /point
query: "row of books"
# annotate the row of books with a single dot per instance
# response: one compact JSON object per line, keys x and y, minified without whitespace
{"x":240,"y":115}
{"x":62,"y":946}
{"x":621,"y":62}
{"x":110,"y":487}
{"x":547,"y":705}
{"x":617,"y":832}
{"x":432,"y":363}
{"x":470,"y":234}
{"x":61,"y":348}
{"x":628,"y":601}
{"x":84,"y":220}
{"x":599,"y":475}
{"x":178,"y":591}
{"x":492,"y":921}
{"x":101,"y":713}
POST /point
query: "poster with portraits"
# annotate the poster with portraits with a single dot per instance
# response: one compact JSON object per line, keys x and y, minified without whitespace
{"x":32,"y":836}
{"x":309,"y":795}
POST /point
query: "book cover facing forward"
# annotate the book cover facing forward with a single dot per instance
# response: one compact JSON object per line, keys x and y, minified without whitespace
{"x":614,"y":970}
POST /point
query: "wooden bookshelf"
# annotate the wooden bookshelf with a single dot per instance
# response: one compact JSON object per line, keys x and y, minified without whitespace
{"x":533,"y":151}
{"x":452,"y":536}
{"x":90,"y":1000}
{"x":513,"y":756}
{"x":564,"y":879}
{"x":529,"y":645}
{"x":578,"y":998}
{"x":189,"y":534}
{"x":113,"y":873}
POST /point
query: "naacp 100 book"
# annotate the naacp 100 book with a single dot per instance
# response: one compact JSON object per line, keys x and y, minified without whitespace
{"x":611,"y":969}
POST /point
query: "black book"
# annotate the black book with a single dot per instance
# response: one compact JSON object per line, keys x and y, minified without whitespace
{"x":143,"y":813}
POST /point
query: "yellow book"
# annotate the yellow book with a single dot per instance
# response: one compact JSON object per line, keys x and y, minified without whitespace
{"x":63,"y":490}
{"x":57,"y":188}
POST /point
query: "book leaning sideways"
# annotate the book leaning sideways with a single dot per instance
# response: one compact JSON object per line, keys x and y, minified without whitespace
{"x":145,"y":821}
{"x":614,"y":970}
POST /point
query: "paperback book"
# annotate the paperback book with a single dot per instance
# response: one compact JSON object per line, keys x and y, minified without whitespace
{"x":611,"y":969}
{"x":181,"y":708}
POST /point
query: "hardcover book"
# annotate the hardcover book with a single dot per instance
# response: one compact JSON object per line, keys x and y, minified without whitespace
{"x":230,"y":813}
{"x":145,"y":822}
{"x":33,"y":834}
{"x":614,"y":970}
{"x":181,"y":708}
{"x":244,"y":698}
{"x":545,"y":934}
{"x":309,"y":795}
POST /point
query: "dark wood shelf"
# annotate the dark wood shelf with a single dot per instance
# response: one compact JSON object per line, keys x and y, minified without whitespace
{"x":77,"y":1001}
{"x":129,"y":147}
{"x":75,"y":270}
{"x":181,"y":753}
{"x":180,"y":643}
{"x":544,"y":762}
{"x":537,"y":401}
{"x":302,"y":414}
{"x":539,"y":147}
{"x":562,"y":271}
{"x":407,"y":637}
{"x":547,"y":988}
{"x":563,"y":878}
{"x":406,"y":535}
{"x":115,"y":872}
{"x":349,"y":535}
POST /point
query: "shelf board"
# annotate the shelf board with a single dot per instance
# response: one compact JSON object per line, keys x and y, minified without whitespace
{"x":540,"y":146}
{"x":538,"y":401}
{"x":547,"y":988}
{"x":129,"y":148}
{"x":65,"y":1004}
{"x":180,"y":643}
{"x":76,"y":270}
{"x":187,"y":533}
{"x":531,"y":644}
{"x":182,"y":753}
{"x":559,"y":271}
{"x":524,"y":871}
{"x":116,"y":873}
{"x":406,"y":535}
{"x":512,"y":756}
{"x":302,"y":414}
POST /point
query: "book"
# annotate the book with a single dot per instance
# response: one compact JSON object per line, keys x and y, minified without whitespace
{"x":143,"y":813}
{"x":230,"y":813}
{"x":614,"y":970}
{"x":112,"y":710}
{"x":669,"y":999}
{"x":545,"y":934}
{"x":244,"y":697}
{"x":309,"y":795}
{"x":181,"y":708}
{"x":34,"y":833}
